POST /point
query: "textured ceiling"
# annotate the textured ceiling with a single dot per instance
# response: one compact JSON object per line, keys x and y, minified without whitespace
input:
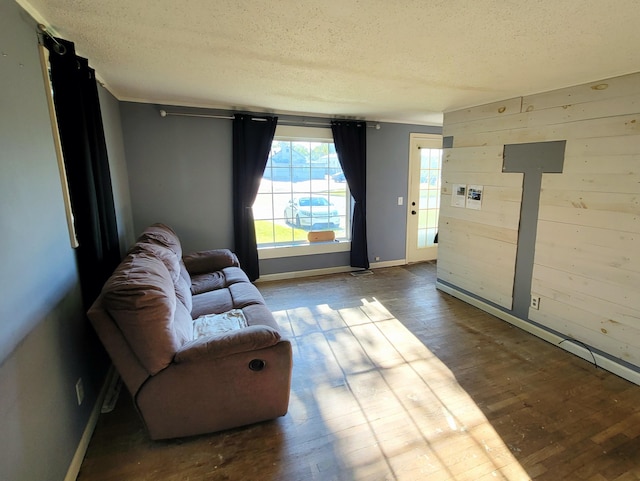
{"x":386,"y":60}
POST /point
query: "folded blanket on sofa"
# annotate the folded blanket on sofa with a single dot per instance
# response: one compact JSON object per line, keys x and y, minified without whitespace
{"x":214,"y":324}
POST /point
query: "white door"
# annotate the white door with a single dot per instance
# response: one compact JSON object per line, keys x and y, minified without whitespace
{"x":423,"y":206}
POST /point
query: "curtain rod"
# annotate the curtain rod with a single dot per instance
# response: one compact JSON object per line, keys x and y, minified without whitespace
{"x":58,"y":47}
{"x":164,"y":113}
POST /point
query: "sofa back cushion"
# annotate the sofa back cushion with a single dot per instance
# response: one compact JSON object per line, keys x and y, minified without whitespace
{"x":162,"y":235}
{"x":140,"y":296}
{"x":183,"y":288}
{"x":160,"y":241}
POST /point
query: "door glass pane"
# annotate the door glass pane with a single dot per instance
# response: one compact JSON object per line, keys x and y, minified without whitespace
{"x":432,"y":218}
{"x":422,"y":219}
{"x":422,"y":238}
{"x":424,"y":198}
{"x":431,"y":164}
{"x":434,"y":199}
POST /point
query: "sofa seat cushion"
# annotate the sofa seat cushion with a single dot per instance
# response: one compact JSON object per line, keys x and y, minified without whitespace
{"x":140,"y":297}
{"x":211,"y":281}
{"x":236,"y":296}
{"x":212,"y":302}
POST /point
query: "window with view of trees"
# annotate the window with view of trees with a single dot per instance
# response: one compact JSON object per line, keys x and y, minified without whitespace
{"x":303,"y":189}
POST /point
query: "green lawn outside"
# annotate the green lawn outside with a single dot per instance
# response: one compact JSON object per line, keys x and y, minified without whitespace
{"x":269,"y":233}
{"x":266,"y":230}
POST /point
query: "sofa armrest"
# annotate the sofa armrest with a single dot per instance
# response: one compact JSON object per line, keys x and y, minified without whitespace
{"x":250,"y":338}
{"x":204,"y":262}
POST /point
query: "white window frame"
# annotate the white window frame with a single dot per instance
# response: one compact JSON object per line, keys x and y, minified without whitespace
{"x":301,"y":133}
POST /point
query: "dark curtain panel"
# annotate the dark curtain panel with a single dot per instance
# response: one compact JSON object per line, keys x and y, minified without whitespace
{"x":77,"y":106}
{"x":350,"y":139}
{"x":252,"y":140}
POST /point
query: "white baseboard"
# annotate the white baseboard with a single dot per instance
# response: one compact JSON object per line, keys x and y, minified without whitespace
{"x":397,"y":262}
{"x":576,"y":349}
{"x":308,"y":273}
{"x":81,"y":450}
{"x":329,"y":270}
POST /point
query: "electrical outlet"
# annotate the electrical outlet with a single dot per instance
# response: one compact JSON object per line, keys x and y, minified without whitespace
{"x":377,"y":258}
{"x":79,"y":391}
{"x":535,"y":302}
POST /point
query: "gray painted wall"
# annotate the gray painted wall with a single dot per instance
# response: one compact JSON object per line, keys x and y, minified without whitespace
{"x":46,"y":343}
{"x":110,"y":108}
{"x":303,"y":263}
{"x":388,"y":179}
{"x":180,"y":172}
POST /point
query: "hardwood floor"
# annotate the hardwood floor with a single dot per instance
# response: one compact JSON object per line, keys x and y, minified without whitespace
{"x":394,"y":380}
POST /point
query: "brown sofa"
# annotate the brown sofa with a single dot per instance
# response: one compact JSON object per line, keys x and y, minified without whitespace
{"x":188,"y":377}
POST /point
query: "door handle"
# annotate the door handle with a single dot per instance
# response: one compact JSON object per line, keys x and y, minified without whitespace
{"x":413,"y":212}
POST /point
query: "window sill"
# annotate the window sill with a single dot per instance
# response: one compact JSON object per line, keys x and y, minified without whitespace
{"x":304,"y":249}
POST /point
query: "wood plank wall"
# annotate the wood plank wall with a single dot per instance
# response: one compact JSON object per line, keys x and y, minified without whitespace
{"x":587,"y":251}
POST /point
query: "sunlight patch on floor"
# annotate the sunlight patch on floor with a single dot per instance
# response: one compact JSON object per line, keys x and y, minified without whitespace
{"x":389,"y":406}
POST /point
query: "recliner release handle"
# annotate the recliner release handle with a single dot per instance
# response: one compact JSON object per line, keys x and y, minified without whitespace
{"x":257,"y":364}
